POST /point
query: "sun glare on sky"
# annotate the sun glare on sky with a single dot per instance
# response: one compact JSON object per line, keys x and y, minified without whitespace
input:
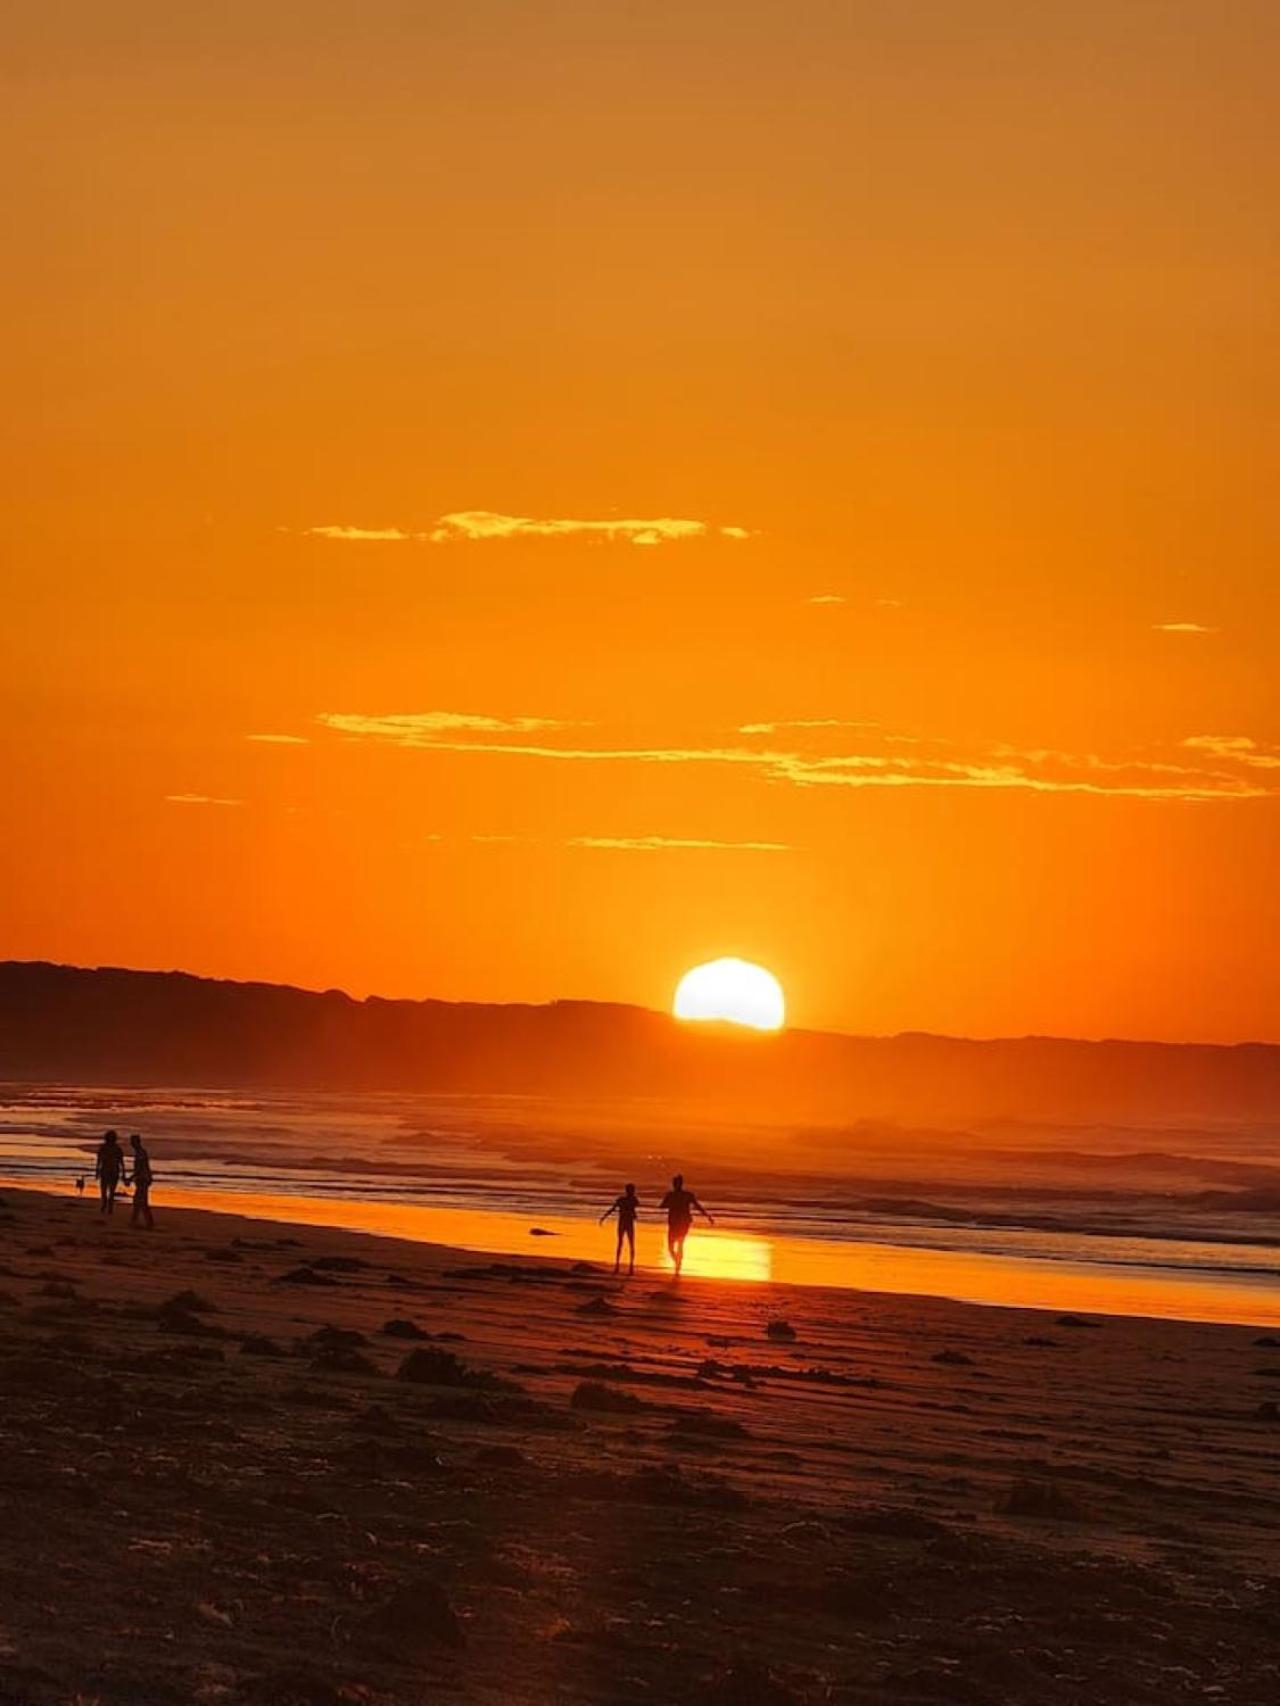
{"x":733,"y":990}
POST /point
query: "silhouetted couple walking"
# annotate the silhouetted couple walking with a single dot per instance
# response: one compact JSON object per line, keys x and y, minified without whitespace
{"x":109,"y":1170}
{"x":679,"y":1204}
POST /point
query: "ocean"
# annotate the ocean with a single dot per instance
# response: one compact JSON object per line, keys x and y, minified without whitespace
{"x":1171,"y":1221}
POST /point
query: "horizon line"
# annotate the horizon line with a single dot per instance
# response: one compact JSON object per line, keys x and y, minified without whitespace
{"x":640,"y":1007}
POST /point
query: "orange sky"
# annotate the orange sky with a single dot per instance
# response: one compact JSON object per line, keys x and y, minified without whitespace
{"x":948,"y":331}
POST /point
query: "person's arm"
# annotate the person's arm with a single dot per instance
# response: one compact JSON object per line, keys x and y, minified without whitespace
{"x":612,"y":1209}
{"x":710,"y":1220}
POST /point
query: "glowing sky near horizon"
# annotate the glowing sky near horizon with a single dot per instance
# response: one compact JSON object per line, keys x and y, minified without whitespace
{"x":513,"y":501}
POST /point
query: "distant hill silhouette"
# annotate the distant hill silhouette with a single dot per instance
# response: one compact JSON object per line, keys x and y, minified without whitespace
{"x":110,"y":1026}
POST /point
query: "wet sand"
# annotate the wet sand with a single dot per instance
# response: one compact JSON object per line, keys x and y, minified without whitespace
{"x":1087,"y":1285}
{"x":293,"y":1466}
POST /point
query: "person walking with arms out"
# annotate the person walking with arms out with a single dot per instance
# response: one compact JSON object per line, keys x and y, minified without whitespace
{"x":627,"y":1208}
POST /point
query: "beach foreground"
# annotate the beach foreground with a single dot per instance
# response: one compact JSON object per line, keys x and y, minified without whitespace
{"x":295,"y":1466}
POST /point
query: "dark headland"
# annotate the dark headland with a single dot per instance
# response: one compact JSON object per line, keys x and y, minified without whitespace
{"x":113,"y":1026}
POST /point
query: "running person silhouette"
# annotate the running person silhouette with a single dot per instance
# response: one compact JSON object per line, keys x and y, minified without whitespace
{"x":626,"y":1207}
{"x":680,"y":1205}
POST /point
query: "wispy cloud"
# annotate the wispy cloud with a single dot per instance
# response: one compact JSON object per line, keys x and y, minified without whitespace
{"x":1237,"y":749}
{"x":1222,"y":746}
{"x":663,"y":843}
{"x":199,"y":800}
{"x":878,"y":758}
{"x":416,"y":730}
{"x":426,"y":728}
{"x":842,"y":598}
{"x":488,"y":524}
{"x":1033,"y":772}
{"x":803,"y":723}
{"x":360,"y":535}
{"x":632,"y":843}
{"x":1182,"y":628}
{"x":281,"y":740}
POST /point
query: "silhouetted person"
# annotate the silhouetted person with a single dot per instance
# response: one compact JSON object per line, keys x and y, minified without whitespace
{"x":626,"y":1207}
{"x":141,"y":1182}
{"x":680,"y":1205}
{"x":108,"y":1169}
{"x":79,"y":1184}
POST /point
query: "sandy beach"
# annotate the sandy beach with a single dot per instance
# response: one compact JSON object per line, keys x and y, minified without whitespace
{"x":292,"y":1465}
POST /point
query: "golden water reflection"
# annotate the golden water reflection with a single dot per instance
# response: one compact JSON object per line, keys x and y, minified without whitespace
{"x":724,"y":1255}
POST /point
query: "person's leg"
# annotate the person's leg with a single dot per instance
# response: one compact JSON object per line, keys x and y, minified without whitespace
{"x":147,"y":1219}
{"x":617,"y":1254}
{"x":631,"y":1245}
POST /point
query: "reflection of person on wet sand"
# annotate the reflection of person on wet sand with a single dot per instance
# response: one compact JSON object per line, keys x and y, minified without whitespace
{"x":680,"y":1205}
{"x":108,"y":1168}
{"x":141,"y":1182}
{"x":626,"y":1207}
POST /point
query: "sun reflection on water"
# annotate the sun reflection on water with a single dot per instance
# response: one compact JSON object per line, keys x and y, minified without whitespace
{"x":725,"y":1255}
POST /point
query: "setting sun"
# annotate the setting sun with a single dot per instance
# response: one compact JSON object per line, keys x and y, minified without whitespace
{"x":733,"y":990}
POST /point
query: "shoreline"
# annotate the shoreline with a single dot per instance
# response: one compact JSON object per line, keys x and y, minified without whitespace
{"x":856,"y":1266}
